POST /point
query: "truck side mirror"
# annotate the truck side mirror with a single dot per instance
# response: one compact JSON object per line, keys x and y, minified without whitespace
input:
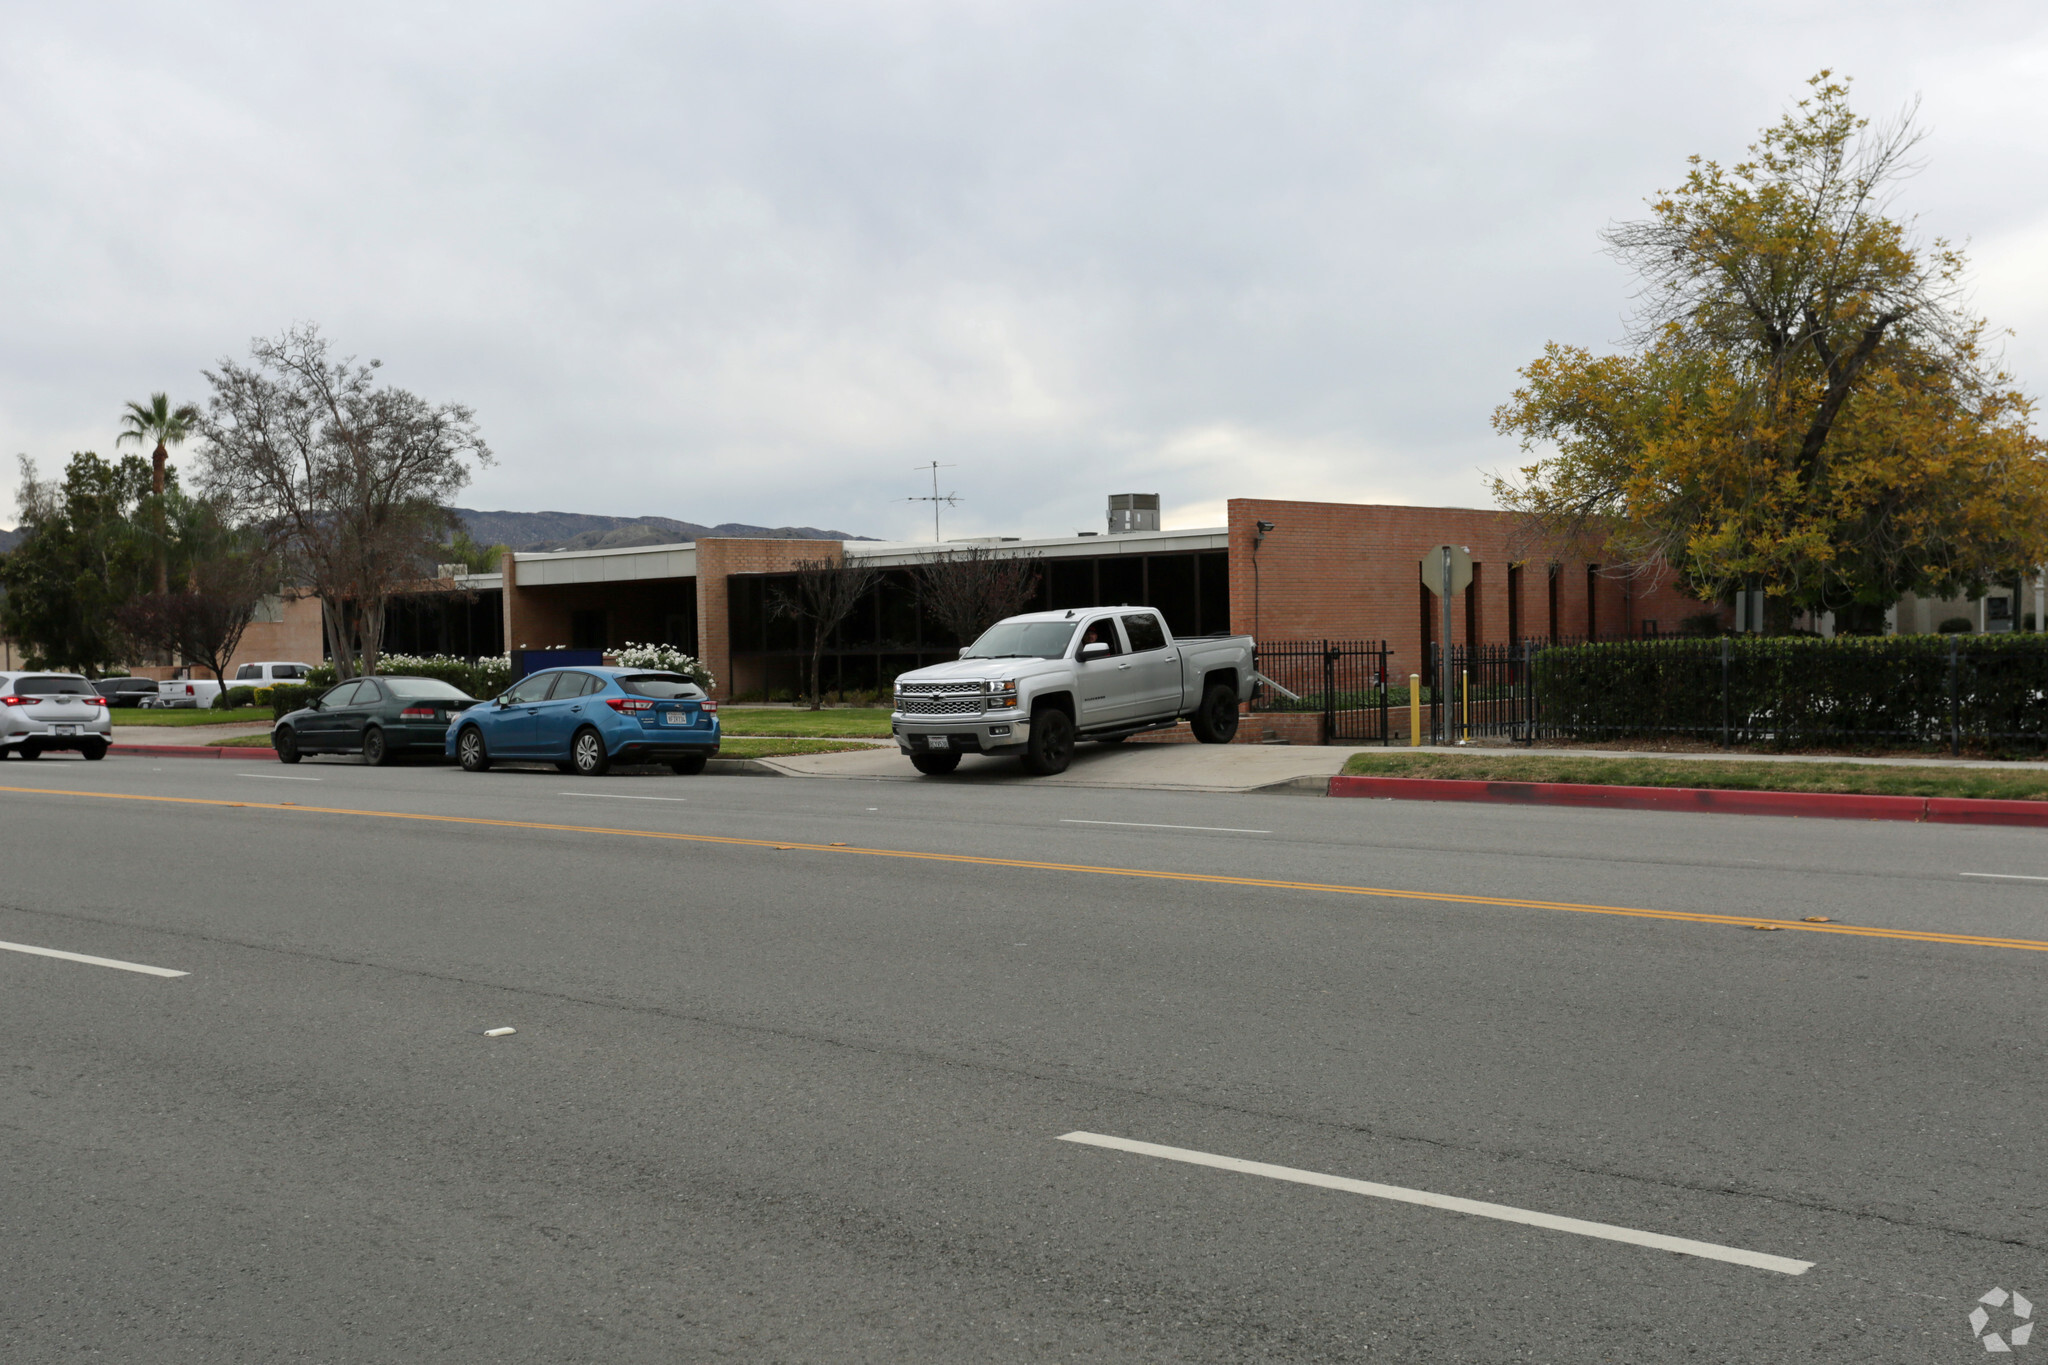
{"x":1095,"y":650}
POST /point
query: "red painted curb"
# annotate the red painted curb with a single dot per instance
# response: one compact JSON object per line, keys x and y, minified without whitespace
{"x":190,"y":751}
{"x":1951,"y":810}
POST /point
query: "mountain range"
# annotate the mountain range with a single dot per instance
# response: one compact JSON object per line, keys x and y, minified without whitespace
{"x":582,"y":531}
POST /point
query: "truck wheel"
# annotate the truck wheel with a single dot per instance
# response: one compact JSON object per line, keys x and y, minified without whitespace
{"x":1215,"y":720}
{"x":935,"y":765}
{"x":1052,"y":743}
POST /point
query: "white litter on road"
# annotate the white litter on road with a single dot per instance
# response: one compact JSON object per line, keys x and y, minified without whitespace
{"x":498,"y":1032}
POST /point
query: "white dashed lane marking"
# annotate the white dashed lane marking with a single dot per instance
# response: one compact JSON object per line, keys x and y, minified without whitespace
{"x":91,"y":961}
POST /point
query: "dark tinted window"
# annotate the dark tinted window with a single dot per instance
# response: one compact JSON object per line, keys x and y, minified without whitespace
{"x":46,"y":685}
{"x":424,"y":689}
{"x":1144,"y":632}
{"x":663,"y":685}
{"x":342,"y":695}
{"x":1101,"y":631}
{"x":248,"y":671}
{"x":531,"y":689}
{"x":288,"y":671}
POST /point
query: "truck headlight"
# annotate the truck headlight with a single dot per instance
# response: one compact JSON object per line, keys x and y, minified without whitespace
{"x":1001,"y":693}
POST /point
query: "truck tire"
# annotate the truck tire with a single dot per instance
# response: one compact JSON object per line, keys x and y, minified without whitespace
{"x":935,"y":765}
{"x":1052,"y":743}
{"x":1215,"y":720}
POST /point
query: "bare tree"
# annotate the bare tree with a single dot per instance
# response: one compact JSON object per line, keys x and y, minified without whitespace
{"x":354,"y":477}
{"x":971,"y":588}
{"x":205,"y":623}
{"x":821,"y":595}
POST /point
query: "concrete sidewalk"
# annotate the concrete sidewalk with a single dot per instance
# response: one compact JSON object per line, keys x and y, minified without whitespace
{"x":1145,"y":767}
{"x":1726,"y":756}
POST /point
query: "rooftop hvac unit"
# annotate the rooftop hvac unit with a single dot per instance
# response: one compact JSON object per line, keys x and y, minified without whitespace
{"x":1130,"y":512}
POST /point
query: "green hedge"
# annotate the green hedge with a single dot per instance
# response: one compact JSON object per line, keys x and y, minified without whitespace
{"x":288,"y":697}
{"x":1792,"y":692}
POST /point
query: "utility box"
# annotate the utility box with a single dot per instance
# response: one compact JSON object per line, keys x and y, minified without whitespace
{"x":1130,"y":512}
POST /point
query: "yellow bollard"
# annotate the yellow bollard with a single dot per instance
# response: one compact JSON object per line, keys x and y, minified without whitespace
{"x":1415,"y":710}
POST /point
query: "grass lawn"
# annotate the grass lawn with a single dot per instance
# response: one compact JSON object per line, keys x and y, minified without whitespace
{"x":1858,"y":778}
{"x":240,"y":742}
{"x":203,"y":715}
{"x":856,"y":722}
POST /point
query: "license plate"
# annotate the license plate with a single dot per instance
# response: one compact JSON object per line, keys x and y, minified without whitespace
{"x":939,"y":742}
{"x":64,"y":729}
{"x":675,"y":718}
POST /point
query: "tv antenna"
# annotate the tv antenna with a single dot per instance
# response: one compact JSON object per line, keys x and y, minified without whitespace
{"x":936,"y":498}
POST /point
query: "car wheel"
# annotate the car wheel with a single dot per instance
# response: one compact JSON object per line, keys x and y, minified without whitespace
{"x":935,"y":765}
{"x":587,"y":753}
{"x":286,"y":744}
{"x":95,"y":752}
{"x":689,"y":765}
{"x":1215,"y":720}
{"x":376,"y":750}
{"x":29,"y":751}
{"x":471,"y":752}
{"x":1052,"y":743}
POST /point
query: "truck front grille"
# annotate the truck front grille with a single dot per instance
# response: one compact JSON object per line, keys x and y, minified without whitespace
{"x":938,"y":699}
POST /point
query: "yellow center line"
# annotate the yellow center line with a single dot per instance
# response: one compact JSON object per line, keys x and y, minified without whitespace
{"x":1150,"y":874}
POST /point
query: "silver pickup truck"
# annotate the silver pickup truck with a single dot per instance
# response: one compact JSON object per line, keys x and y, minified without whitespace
{"x":1033,"y":685}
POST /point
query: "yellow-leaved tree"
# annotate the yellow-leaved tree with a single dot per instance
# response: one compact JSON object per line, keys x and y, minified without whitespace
{"x":1806,"y":408}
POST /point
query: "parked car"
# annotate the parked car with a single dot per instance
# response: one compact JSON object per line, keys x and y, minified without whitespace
{"x":378,"y":718}
{"x":1032,"y":685}
{"x":44,"y":711}
{"x":184,"y":692}
{"x":126,"y":691}
{"x":583,"y":720}
{"x":268,"y":674}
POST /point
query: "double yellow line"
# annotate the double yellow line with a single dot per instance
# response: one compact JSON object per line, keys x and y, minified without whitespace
{"x":1088,"y":869}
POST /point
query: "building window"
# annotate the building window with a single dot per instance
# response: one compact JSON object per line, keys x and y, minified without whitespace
{"x":1514,"y":603}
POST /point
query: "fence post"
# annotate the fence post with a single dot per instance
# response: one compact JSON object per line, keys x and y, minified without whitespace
{"x":1414,"y":710}
{"x":1385,"y":738}
{"x":1724,"y":691}
{"x":1329,"y":693}
{"x":1955,"y":727}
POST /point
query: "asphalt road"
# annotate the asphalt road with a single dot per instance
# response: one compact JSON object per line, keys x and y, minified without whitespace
{"x":794,"y":1087}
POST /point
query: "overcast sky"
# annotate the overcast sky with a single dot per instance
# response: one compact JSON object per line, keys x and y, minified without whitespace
{"x":757,"y":261}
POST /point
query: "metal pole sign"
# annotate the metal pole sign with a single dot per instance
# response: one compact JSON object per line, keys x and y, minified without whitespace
{"x":1446,"y":571}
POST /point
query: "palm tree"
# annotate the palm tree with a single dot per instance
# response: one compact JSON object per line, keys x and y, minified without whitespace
{"x":158,"y":424}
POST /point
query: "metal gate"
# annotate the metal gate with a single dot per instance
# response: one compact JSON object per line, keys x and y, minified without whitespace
{"x":1489,"y":694}
{"x":1345,"y":681}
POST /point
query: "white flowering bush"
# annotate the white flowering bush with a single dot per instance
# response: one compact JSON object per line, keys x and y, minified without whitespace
{"x":667,"y":658}
{"x":485,"y":678}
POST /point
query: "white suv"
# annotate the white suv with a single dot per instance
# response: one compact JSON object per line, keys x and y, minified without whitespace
{"x":40,"y":711}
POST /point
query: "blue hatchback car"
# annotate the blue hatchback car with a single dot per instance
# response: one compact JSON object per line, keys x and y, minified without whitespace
{"x":583,"y":720}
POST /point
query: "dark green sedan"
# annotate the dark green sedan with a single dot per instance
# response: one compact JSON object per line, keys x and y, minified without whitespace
{"x":379,"y":718}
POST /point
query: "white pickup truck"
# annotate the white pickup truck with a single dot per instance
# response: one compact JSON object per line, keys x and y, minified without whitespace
{"x":1033,"y":685}
{"x":202,"y":691}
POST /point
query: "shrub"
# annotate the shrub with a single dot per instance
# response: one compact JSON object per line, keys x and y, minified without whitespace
{"x":228,"y":698}
{"x":667,"y":658}
{"x":1956,"y":625}
{"x":482,"y":678}
{"x":288,"y":697}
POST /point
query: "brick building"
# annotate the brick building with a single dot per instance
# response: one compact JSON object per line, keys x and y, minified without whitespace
{"x":1323,"y":570}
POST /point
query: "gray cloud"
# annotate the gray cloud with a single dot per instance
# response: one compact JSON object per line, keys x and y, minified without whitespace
{"x":755,"y":261}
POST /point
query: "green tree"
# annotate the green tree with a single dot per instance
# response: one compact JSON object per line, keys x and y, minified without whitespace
{"x":80,"y":561}
{"x":463,"y":549}
{"x":1806,"y":409}
{"x":160,"y":425}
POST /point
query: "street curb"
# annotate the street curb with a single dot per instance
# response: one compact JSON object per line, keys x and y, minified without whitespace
{"x":1939,"y":810}
{"x":191,"y":751}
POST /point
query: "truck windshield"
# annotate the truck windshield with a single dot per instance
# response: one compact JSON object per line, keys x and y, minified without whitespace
{"x":1022,"y":640}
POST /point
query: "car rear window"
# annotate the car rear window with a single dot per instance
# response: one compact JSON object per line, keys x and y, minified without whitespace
{"x":424,"y":689}
{"x":666,"y":686}
{"x":43,"y":685}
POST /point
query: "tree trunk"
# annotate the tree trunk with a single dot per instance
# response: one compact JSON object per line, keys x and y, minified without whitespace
{"x":338,"y":646}
{"x":370,"y":623}
{"x":817,"y":661}
{"x":157,"y":460}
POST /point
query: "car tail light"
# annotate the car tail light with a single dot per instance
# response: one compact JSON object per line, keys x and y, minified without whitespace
{"x":417,"y":713}
{"x":15,"y":701}
{"x":708,"y":707}
{"x":630,"y":703}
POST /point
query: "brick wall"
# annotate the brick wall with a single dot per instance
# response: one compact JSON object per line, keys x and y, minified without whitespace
{"x":1353,"y":571}
{"x":719,"y":558}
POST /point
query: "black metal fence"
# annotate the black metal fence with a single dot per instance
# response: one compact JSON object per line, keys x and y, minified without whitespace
{"x":1950,"y":692}
{"x":1344,"y":680}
